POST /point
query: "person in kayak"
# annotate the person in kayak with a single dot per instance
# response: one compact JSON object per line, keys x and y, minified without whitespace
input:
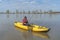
{"x":25,"y":21}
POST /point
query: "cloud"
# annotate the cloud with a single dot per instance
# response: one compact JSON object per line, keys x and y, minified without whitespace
{"x":45,"y":1}
{"x":31,"y":2}
{"x":0,"y":0}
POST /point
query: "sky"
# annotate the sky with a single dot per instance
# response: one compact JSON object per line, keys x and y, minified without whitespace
{"x":20,"y":5}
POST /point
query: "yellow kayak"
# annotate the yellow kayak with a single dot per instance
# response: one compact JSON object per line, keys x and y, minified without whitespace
{"x":40,"y":34}
{"x":33,"y":27}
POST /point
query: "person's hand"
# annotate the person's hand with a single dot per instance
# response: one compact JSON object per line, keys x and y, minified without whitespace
{"x":24,"y":23}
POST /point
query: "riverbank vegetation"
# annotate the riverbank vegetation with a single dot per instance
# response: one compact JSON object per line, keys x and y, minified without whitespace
{"x":29,"y":12}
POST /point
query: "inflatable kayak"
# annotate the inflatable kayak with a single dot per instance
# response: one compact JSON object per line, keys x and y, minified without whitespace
{"x":33,"y":27}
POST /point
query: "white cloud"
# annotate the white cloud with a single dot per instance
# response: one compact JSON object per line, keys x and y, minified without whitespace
{"x":31,"y":2}
{"x":46,"y":0}
{"x":29,"y":5}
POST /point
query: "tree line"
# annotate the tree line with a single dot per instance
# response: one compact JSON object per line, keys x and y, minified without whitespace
{"x":28,"y":12}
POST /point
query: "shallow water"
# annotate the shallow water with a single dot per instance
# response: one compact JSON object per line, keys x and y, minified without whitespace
{"x":9,"y":32}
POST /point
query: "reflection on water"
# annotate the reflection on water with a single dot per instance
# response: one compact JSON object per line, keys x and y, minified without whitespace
{"x":41,"y":35}
{"x":17,"y":15}
{"x":9,"y":32}
{"x":8,"y":15}
{"x":33,"y":15}
{"x":26,"y":35}
{"x":38,"y":34}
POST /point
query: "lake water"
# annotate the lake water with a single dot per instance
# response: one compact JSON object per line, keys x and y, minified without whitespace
{"x":9,"y":32}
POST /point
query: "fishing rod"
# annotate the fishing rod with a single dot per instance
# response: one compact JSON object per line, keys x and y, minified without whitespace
{"x":30,"y":17}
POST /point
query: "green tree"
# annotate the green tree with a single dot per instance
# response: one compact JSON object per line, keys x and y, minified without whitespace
{"x":17,"y":12}
{"x":28,"y":12}
{"x":23,"y":12}
{"x":7,"y":11}
{"x":50,"y":11}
